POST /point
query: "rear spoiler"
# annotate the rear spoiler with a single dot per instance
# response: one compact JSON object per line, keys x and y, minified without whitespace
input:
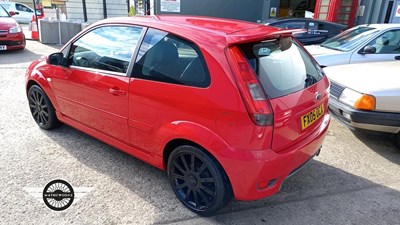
{"x":259,"y":34}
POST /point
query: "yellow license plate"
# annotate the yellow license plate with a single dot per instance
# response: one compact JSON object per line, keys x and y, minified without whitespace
{"x":311,"y":117}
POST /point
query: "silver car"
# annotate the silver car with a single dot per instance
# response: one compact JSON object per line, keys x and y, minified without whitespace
{"x":366,"y":95}
{"x":363,"y":43}
{"x":23,"y":12}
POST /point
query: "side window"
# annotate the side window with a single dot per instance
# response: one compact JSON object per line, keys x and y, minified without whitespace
{"x":22,"y":8}
{"x":387,"y":43}
{"x":296,"y":25}
{"x":319,"y":28}
{"x":18,"y":7}
{"x":292,"y":25}
{"x":166,"y":58}
{"x":107,"y":48}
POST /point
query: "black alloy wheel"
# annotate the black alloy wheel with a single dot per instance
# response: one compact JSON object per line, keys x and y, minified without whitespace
{"x":41,"y":108}
{"x":198,"y":180}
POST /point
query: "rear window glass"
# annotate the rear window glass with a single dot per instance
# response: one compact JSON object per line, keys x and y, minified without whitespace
{"x":282,"y":66}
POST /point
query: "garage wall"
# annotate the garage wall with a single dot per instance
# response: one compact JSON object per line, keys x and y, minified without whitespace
{"x":94,"y":8}
{"x":249,"y":10}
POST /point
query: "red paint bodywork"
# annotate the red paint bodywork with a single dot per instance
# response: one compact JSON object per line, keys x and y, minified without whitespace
{"x":12,"y":41}
{"x":147,"y":115}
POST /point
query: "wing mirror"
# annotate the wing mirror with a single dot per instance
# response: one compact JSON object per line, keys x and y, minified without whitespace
{"x":368,"y":50}
{"x":12,"y":13}
{"x":57,"y":59}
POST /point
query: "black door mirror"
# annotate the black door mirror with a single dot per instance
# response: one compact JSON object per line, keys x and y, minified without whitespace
{"x":57,"y":59}
{"x":368,"y":50}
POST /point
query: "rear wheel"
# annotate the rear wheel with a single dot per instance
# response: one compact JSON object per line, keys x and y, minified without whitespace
{"x":41,"y":108}
{"x":198,"y":180}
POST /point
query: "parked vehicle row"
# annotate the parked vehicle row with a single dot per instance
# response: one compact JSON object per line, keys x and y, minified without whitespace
{"x":362,"y":64}
{"x":315,"y":31}
{"x":367,"y":96}
{"x":23,"y":13}
{"x":363,"y":43}
{"x":11,"y":34}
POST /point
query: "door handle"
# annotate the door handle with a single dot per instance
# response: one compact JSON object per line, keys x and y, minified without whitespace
{"x":397,"y":57}
{"x":117,"y":91}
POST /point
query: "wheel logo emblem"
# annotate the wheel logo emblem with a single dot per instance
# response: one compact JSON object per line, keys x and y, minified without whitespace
{"x":58,"y":195}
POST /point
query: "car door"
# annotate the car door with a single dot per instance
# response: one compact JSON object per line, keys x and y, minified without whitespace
{"x":169,"y":81}
{"x":93,"y":88}
{"x":387,"y":48}
{"x":25,"y":13}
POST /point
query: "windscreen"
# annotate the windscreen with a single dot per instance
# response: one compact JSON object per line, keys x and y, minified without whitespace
{"x":349,"y":39}
{"x":3,"y":12}
{"x":282,"y":66}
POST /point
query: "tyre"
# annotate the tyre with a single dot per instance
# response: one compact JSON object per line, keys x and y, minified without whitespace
{"x":198,"y":180}
{"x":41,"y":108}
{"x":397,"y":138}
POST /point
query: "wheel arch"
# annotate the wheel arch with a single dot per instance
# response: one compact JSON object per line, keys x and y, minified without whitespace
{"x":173,"y":144}
{"x":180,"y":133}
{"x":39,"y":80}
{"x":30,"y":83}
{"x":188,"y":133}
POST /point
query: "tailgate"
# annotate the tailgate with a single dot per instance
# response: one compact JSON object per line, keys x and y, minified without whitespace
{"x":295,"y":86}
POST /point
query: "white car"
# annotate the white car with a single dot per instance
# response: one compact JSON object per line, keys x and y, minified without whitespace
{"x":23,"y":12}
{"x":363,"y":43}
{"x":366,"y":95}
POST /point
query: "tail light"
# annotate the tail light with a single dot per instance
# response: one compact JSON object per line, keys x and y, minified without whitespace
{"x":250,"y":89}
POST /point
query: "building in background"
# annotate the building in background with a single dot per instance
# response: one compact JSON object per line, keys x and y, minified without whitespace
{"x":378,"y":11}
{"x":95,"y":9}
{"x":348,"y":12}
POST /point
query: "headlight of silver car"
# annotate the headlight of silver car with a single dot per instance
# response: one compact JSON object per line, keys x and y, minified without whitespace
{"x":16,"y":29}
{"x":349,"y":96}
{"x":357,"y":100}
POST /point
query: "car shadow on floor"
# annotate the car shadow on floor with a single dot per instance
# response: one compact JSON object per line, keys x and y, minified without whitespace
{"x":23,"y":56}
{"x":381,"y":143}
{"x":301,"y":200}
{"x":27,"y":55}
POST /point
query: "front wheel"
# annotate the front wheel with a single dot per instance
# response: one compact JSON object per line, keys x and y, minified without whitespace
{"x":198,"y":180}
{"x":41,"y":108}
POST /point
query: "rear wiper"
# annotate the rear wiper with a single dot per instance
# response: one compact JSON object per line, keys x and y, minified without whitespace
{"x":310,"y":80}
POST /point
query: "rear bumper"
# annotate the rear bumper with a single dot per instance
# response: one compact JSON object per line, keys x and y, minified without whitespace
{"x":13,"y":41}
{"x":259,"y":174}
{"x":368,"y":120}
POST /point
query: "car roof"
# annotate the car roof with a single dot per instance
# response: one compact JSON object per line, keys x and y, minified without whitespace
{"x":382,"y":26}
{"x":200,"y":27}
{"x":287,"y":19}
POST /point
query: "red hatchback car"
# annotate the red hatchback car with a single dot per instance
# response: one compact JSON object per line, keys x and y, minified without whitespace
{"x":227,"y":108}
{"x":11,"y":35}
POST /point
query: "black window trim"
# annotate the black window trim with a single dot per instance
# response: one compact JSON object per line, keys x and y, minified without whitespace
{"x":107,"y":72}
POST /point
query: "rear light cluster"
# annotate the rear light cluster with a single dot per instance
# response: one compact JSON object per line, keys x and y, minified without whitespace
{"x":250,"y":88}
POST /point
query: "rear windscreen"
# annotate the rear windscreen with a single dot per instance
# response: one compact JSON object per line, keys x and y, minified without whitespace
{"x":282,"y":66}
